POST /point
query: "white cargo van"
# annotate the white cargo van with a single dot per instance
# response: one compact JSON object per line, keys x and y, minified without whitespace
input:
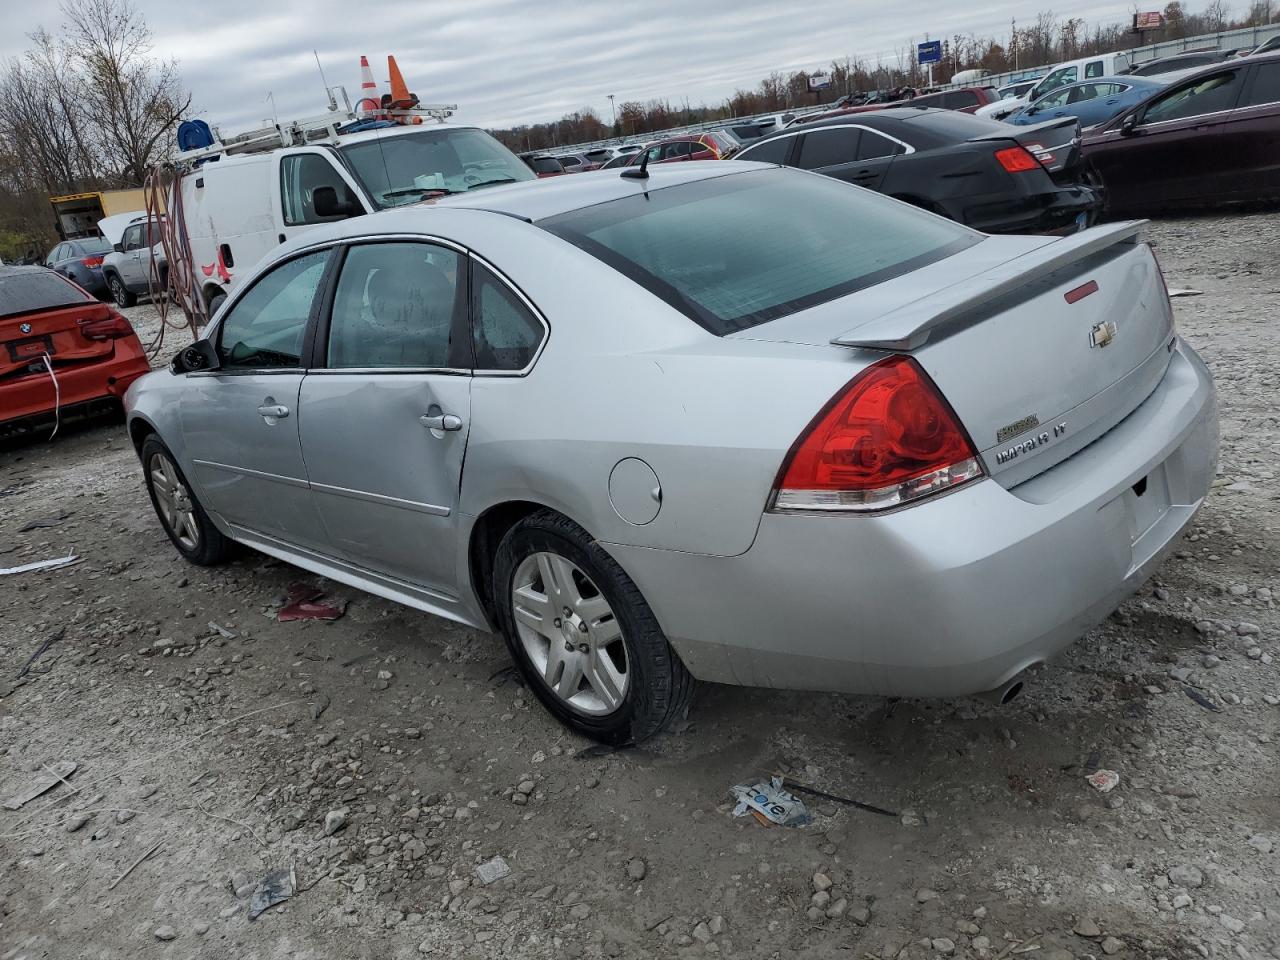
{"x":1103,"y":65}
{"x":236,"y":204}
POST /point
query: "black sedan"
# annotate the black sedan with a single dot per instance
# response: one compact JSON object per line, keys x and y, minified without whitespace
{"x":988,"y":175}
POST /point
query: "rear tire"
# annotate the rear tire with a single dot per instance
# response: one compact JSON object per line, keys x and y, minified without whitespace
{"x":120,"y":293}
{"x":184,"y":520}
{"x":604,"y":669}
{"x":215,"y":302}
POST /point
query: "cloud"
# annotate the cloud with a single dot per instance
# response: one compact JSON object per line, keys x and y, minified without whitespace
{"x":510,"y":61}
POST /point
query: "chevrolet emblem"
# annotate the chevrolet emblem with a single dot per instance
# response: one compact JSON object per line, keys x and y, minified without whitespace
{"x":1102,"y":334}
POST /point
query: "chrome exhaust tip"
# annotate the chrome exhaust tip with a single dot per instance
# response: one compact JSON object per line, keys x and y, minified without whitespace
{"x":1006,"y":692}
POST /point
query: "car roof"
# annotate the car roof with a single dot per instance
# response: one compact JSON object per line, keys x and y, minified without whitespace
{"x":11,"y":270}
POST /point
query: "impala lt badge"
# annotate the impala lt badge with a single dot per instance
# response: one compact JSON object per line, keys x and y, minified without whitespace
{"x":1102,"y":334}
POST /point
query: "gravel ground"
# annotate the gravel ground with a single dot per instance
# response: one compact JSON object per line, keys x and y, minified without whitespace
{"x":387,"y":754}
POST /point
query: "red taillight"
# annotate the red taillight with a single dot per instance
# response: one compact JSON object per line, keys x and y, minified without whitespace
{"x":92,"y":261}
{"x":1017,"y":159}
{"x":888,"y":438}
{"x":111,"y":327}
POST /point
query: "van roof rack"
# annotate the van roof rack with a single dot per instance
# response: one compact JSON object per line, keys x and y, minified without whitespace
{"x":326,"y":127}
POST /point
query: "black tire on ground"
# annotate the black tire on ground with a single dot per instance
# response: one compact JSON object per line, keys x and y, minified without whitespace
{"x":659,"y":687}
{"x":119,"y":292}
{"x":215,"y":302}
{"x":210,"y":547}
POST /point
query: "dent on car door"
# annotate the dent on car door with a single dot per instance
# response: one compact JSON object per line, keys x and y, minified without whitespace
{"x":240,"y":421}
{"x":387,"y":411}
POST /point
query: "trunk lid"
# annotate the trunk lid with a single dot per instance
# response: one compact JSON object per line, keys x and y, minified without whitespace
{"x":1039,"y":352}
{"x":26,"y":338}
{"x":1055,"y":143}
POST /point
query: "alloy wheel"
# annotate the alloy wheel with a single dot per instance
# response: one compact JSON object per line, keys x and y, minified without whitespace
{"x":173,"y":501}
{"x":118,"y":292}
{"x":570,"y":634}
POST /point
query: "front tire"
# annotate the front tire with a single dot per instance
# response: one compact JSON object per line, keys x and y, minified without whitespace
{"x":586,"y":641}
{"x":184,"y":520}
{"x":120,"y":293}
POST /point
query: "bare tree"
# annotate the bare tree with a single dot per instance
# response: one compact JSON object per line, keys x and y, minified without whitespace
{"x":140,"y":98}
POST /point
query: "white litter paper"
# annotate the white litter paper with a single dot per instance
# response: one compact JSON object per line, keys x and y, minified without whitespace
{"x":40,"y":565}
{"x":772,"y":802}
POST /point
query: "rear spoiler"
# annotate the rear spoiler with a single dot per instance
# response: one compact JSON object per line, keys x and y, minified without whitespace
{"x":909,"y":327}
{"x":1015,"y":132}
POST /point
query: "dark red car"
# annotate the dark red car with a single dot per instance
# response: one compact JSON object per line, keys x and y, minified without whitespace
{"x":62,"y":352}
{"x":1212,"y":137}
{"x":963,"y":99}
{"x":713,"y":145}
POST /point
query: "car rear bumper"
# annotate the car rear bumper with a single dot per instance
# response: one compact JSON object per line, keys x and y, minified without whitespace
{"x":1052,"y":210}
{"x":33,"y":397}
{"x":956,"y":595}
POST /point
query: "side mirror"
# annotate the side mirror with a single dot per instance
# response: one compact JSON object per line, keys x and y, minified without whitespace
{"x":327,"y":204}
{"x":201,"y":355}
{"x":118,"y":247}
{"x":1129,"y":124}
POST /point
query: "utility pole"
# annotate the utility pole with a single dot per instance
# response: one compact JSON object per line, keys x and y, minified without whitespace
{"x":1013,"y":40}
{"x":614,"y":107}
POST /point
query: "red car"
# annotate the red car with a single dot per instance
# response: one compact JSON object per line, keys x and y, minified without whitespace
{"x":713,"y":145}
{"x":963,"y":99}
{"x":61,"y":351}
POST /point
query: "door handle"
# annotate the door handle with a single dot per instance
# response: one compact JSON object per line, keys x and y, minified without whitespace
{"x":863,"y":175}
{"x":444,"y":421}
{"x":274,"y":410}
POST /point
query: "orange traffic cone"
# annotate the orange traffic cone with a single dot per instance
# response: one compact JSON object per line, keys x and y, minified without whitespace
{"x":401,"y":98}
{"x":369,"y":99}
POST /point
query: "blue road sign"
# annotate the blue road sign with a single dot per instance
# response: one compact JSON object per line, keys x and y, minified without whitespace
{"x":929,"y":52}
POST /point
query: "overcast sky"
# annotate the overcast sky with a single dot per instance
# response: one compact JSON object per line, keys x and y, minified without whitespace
{"x":516,"y":61}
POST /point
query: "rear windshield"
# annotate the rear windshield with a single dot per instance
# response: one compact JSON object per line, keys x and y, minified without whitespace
{"x":30,"y":291}
{"x":736,"y":251}
{"x":95,"y":245}
{"x":952,"y":127}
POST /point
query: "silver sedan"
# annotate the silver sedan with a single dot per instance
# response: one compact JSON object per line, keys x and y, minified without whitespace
{"x":720,"y":421}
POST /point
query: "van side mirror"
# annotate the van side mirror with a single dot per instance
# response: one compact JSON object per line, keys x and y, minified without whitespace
{"x":327,"y":204}
{"x":118,"y":247}
{"x":1129,"y":124}
{"x":201,"y":355}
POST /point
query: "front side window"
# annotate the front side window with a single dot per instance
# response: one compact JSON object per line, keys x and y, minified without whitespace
{"x":826,"y":148}
{"x":736,"y":251}
{"x":505,"y":333}
{"x":397,"y":305}
{"x":399,"y":168}
{"x":132,"y":238}
{"x":301,"y":175}
{"x":264,"y":328}
{"x":1059,"y":78}
{"x":1056,"y":99}
{"x":1093,"y":69}
{"x":1207,"y":95}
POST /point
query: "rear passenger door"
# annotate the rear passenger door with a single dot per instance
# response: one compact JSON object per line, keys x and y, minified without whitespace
{"x":872,"y":153}
{"x":1249,"y":133}
{"x":386,"y":411}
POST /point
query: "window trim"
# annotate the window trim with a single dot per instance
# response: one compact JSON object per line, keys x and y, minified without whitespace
{"x":529,"y":305}
{"x":1248,"y":91}
{"x":338,"y":167}
{"x":909,"y":149}
{"x":214,"y":334}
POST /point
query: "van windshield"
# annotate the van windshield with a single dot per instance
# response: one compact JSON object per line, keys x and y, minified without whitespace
{"x":400,"y":168}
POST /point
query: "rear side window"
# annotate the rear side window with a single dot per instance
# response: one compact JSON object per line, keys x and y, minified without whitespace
{"x":1093,"y":69}
{"x":264,"y":328}
{"x":1266,"y":85}
{"x":397,"y":305}
{"x":736,"y":251}
{"x":771,"y":151}
{"x":1207,"y":95}
{"x":505,"y":334}
{"x":28,"y":291}
{"x":960,"y":100}
{"x":826,"y":148}
{"x":873,"y":146}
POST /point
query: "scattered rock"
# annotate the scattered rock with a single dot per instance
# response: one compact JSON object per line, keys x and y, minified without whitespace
{"x":702,"y":933}
{"x":1185,"y":875}
{"x":637,"y":869}
{"x":1085,"y":927}
{"x":821,"y":882}
{"x":334,"y":821}
{"x":76,"y":822}
{"x":1260,"y":843}
{"x":165,"y":932}
{"x":1231,"y":923}
{"x":1112,"y":945}
{"x":943,"y":945}
{"x":924,"y":895}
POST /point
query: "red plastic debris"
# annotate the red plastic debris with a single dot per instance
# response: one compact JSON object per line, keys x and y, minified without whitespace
{"x":304,"y":605}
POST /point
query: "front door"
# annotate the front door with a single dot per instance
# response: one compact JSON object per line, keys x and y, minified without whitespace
{"x":129,"y":265}
{"x":240,"y":422}
{"x":385,"y":420}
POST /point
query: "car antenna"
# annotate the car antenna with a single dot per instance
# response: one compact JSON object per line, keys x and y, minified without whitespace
{"x":638,"y":173}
